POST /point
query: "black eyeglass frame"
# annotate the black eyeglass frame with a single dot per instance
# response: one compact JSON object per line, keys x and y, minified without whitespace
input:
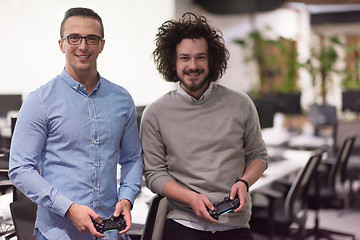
{"x":81,"y":38}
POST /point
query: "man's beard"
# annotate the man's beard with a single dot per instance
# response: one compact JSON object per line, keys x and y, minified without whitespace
{"x":194,"y":87}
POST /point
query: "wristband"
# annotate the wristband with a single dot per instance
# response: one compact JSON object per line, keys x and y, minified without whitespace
{"x":242,"y":180}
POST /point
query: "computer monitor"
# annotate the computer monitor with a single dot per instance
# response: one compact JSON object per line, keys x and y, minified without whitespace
{"x":351,"y":101}
{"x":266,"y":111}
{"x":9,"y":102}
{"x":286,"y":103}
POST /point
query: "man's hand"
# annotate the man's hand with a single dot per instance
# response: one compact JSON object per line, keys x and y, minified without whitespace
{"x":123,"y":207}
{"x":254,"y":170}
{"x":80,"y":216}
{"x":239,"y":189}
{"x":199,"y":203}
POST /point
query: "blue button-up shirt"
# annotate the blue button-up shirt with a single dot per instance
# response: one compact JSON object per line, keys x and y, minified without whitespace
{"x":75,"y":140}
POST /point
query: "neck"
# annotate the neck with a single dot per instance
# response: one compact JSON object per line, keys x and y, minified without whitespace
{"x":89,"y":79}
{"x":198,"y":92}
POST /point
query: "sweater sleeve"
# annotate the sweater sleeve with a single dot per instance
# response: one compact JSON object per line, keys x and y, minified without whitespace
{"x":154,"y":152}
{"x":255,"y":147}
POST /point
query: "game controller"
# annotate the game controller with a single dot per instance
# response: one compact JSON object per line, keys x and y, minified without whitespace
{"x":225,"y":206}
{"x":111,"y":223}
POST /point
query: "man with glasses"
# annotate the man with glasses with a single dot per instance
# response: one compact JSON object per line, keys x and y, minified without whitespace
{"x":69,"y":137}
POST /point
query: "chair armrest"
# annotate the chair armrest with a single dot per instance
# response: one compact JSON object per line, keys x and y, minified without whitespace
{"x":4,"y":150}
{"x":284,"y":183}
{"x":272,"y":195}
{"x":5,"y":183}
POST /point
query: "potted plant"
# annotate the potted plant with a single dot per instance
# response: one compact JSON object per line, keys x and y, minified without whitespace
{"x":277,"y":64}
{"x":351,"y":80}
{"x":321,"y":64}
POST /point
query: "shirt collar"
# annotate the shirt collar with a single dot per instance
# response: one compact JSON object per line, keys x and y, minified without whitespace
{"x":183,"y":93}
{"x":75,"y":84}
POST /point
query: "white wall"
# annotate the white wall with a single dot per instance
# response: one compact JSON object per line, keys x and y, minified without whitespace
{"x":30,"y":55}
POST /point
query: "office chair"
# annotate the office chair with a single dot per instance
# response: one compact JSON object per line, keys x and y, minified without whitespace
{"x":139,"y":112}
{"x":334,"y":194}
{"x":156,"y":219}
{"x":277,"y":219}
{"x":5,"y":183}
{"x":6,"y":228}
{"x":23,"y":213}
{"x":324,"y":116}
{"x":352,"y":175}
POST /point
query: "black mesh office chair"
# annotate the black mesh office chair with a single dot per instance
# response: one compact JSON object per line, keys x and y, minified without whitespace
{"x":334,"y":194}
{"x":282,"y":212}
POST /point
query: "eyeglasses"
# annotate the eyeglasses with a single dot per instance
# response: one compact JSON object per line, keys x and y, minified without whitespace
{"x":76,"y":39}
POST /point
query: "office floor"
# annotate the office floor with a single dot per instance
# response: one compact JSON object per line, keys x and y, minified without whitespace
{"x":344,"y":220}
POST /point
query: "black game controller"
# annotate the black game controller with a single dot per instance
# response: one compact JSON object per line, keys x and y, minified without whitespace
{"x":224,"y":207}
{"x":111,"y":223}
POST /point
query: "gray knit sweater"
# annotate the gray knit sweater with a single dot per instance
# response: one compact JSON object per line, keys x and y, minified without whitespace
{"x":202,"y":145}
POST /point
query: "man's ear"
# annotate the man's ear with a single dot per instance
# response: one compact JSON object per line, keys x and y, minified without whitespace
{"x":102,"y":45}
{"x":61,"y":45}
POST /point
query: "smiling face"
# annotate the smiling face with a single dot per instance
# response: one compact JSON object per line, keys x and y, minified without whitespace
{"x":81,"y":59}
{"x":192,"y":66}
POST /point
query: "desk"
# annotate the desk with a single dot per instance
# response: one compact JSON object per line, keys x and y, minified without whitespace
{"x":292,"y":162}
{"x":310,"y":142}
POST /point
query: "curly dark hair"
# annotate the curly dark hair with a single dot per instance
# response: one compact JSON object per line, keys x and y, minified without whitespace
{"x":189,"y":26}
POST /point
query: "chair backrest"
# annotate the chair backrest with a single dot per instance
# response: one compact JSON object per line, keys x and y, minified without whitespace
{"x":23,"y":214}
{"x":156,"y":219}
{"x":324,"y":116}
{"x":295,"y":202}
{"x":338,"y":169}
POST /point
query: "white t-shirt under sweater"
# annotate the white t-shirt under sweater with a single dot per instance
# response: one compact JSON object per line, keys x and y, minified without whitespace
{"x":203,"y":145}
